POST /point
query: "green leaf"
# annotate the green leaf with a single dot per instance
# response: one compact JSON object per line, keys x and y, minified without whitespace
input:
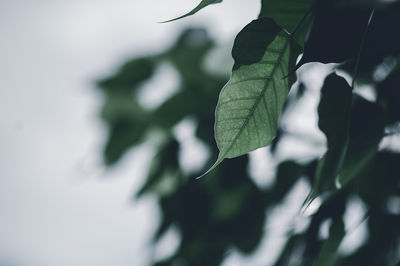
{"x":366,"y":132}
{"x":127,"y":125}
{"x":334,"y":120}
{"x":287,"y":14}
{"x":335,"y":34}
{"x":330,"y":246}
{"x":166,"y":160}
{"x":200,"y":6}
{"x":250,"y":104}
{"x":389,"y":96}
{"x":129,"y":77}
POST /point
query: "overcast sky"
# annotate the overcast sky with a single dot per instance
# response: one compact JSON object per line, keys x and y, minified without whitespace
{"x":57,"y":205}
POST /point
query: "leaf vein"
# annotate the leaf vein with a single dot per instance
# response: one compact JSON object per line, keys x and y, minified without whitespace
{"x":258,"y":98}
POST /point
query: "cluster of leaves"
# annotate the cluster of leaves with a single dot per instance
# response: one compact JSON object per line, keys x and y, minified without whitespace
{"x":227,"y":209}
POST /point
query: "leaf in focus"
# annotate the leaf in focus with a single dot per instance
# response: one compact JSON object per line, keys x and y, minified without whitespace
{"x":250,"y":104}
{"x":200,"y":6}
{"x":287,"y":14}
{"x":334,"y":117}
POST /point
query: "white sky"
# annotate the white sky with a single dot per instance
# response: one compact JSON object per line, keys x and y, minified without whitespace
{"x":57,"y":206}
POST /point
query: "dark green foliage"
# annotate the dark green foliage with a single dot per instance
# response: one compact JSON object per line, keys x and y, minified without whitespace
{"x":389,"y":96}
{"x":366,"y":131}
{"x":335,"y":34}
{"x":381,"y":41}
{"x":328,"y":250}
{"x":334,"y":122}
{"x":226,"y":209}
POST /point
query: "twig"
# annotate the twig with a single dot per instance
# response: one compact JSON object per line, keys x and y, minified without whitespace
{"x":360,"y":49}
{"x":296,"y":28}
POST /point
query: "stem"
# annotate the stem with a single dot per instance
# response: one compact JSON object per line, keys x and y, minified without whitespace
{"x":296,"y":28}
{"x":360,"y":50}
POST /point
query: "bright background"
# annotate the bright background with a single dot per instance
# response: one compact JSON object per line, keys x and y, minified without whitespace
{"x":58,"y":205}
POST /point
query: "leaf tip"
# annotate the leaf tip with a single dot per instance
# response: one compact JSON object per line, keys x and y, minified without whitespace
{"x":219,"y":160}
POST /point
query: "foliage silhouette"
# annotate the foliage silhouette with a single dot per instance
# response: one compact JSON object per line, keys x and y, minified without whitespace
{"x":226,"y":209}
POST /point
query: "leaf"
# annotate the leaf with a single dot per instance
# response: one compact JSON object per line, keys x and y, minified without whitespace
{"x":366,"y":131}
{"x":200,"y":6}
{"x":335,"y":34}
{"x":380,"y":181}
{"x":122,"y":136}
{"x":389,"y":96}
{"x":127,"y":124}
{"x":165,"y":160}
{"x":334,"y":120}
{"x":380,"y":40}
{"x":250,"y":104}
{"x":287,"y":174}
{"x":330,"y":246}
{"x":287,"y":14}
{"x":367,"y":3}
{"x":129,"y":76}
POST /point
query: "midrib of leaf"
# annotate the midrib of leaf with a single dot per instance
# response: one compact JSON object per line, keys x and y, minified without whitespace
{"x":258,"y":99}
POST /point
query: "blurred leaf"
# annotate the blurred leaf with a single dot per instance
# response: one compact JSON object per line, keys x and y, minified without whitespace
{"x":119,"y":107}
{"x":128,"y":121}
{"x":381,"y":180}
{"x":127,"y":125}
{"x":123,"y":135}
{"x":201,"y":5}
{"x":288,"y":172}
{"x":252,"y":218}
{"x":334,"y":118}
{"x":366,"y":131}
{"x":251,"y":102}
{"x":337,"y":30}
{"x":287,"y":14}
{"x":292,"y":247}
{"x":335,"y":34}
{"x":128,"y":77}
{"x":330,"y":246}
{"x":188,"y":53}
{"x":175,"y":109}
{"x":380,"y":40}
{"x":389,"y":96}
{"x":238,"y":204}
{"x":367,"y":3}
{"x":165,"y":160}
